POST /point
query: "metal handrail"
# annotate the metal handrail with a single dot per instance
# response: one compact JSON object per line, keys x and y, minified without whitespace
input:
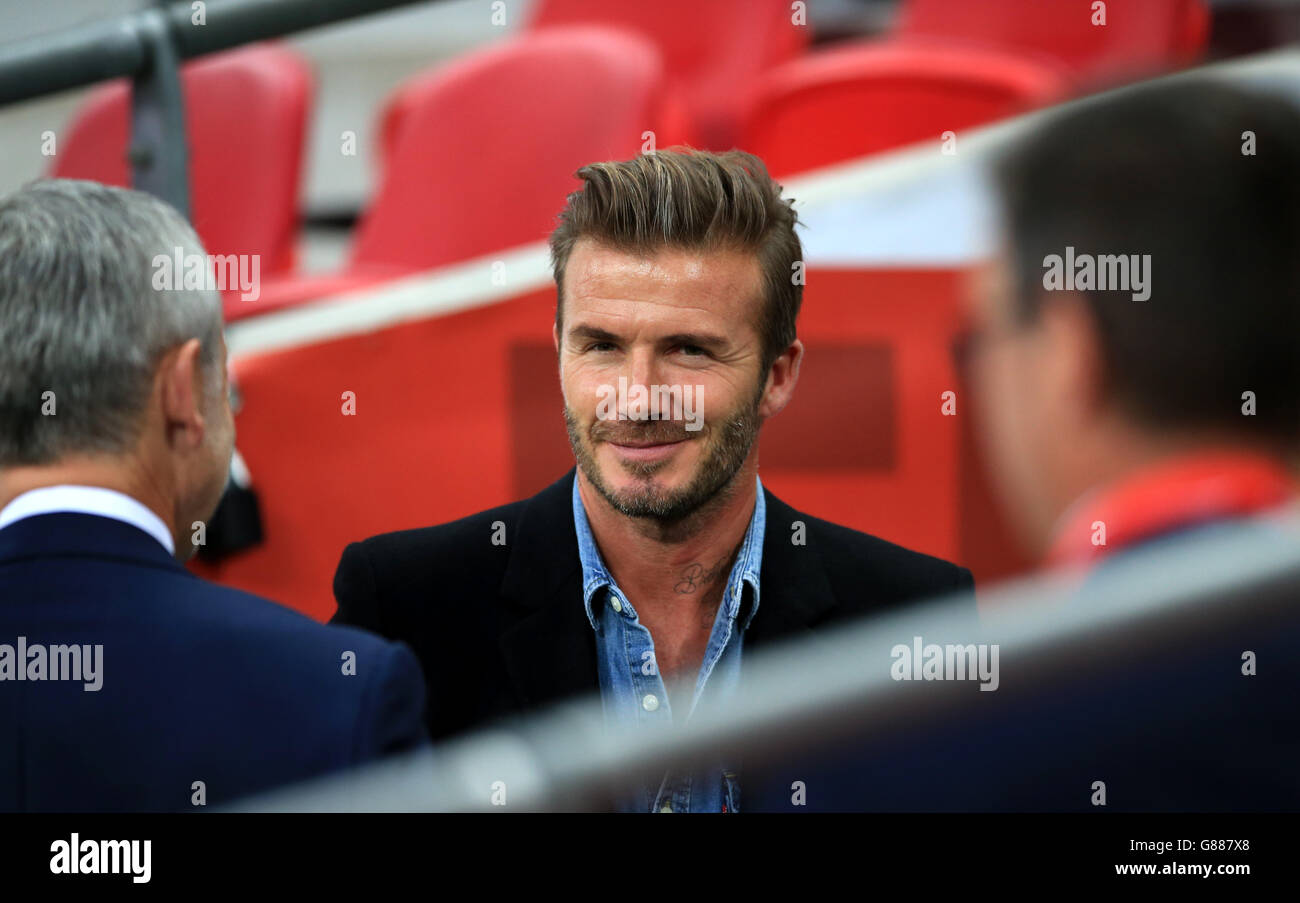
{"x":807,"y":694}
{"x":120,"y":47}
{"x":147,"y":46}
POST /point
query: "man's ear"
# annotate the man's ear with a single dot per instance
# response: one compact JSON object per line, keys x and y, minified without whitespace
{"x":781,"y":380}
{"x":555,"y":336}
{"x":180,"y":377}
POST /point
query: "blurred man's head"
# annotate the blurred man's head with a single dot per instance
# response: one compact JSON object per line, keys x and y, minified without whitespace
{"x":681,"y":271}
{"x":1185,"y":199}
{"x":105,"y":379}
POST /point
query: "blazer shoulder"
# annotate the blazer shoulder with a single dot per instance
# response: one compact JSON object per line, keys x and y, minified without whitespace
{"x":255,"y":621}
{"x":359,"y":695}
{"x":852,"y":557}
{"x":393,"y":582}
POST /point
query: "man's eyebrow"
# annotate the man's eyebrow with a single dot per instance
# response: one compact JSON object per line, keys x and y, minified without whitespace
{"x":583,"y":331}
{"x":701,"y":339}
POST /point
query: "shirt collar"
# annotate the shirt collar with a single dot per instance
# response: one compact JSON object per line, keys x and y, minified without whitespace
{"x":94,"y":500}
{"x":746,"y":570}
{"x":1179,"y":492}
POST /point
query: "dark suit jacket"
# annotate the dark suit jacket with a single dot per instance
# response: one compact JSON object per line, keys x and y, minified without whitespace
{"x":199,"y":682}
{"x":1167,"y":726}
{"x":500,"y":629}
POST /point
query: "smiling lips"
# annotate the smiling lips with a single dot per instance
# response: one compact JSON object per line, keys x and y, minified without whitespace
{"x":642,"y":450}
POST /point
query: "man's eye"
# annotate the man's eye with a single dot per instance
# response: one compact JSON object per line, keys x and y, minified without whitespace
{"x":693,"y":350}
{"x":601,"y":346}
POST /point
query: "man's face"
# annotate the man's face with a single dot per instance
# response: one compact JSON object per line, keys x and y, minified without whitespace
{"x":1013,"y":399}
{"x":681,"y":322}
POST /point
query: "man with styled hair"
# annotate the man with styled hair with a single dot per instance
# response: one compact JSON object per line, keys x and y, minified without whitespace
{"x":644,"y":572}
{"x":115,"y":444}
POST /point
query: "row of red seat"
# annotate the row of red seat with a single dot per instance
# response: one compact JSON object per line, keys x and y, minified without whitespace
{"x":477,"y":154}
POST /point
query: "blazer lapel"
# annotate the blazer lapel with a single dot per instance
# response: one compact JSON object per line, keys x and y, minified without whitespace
{"x":794,"y":595}
{"x":547,"y":642}
{"x":794,"y":591}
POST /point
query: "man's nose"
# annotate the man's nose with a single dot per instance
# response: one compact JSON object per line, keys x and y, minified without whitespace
{"x":643,"y":366}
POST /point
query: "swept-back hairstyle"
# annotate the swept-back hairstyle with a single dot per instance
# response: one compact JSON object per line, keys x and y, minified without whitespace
{"x":690,"y":199}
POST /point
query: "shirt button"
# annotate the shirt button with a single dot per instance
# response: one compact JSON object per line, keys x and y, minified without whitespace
{"x":616,"y":605}
{"x":650,"y":702}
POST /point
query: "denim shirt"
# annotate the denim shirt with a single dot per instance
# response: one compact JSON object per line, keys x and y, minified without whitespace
{"x":631,"y":689}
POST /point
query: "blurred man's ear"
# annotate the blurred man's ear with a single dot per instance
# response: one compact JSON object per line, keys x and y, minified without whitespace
{"x":555,"y":336}
{"x":181,"y":388}
{"x":781,"y":380}
{"x":1071,"y":365}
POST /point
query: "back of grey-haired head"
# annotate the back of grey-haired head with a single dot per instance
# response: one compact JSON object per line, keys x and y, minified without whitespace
{"x":80,"y":316}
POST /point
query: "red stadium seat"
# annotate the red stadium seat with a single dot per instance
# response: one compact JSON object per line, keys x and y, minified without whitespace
{"x":1139,"y":37}
{"x":714,"y":51}
{"x":851,"y":101}
{"x":556,"y":101}
{"x":246,"y":115}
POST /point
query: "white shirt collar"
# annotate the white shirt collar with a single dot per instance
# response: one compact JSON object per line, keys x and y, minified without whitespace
{"x":88,"y":500}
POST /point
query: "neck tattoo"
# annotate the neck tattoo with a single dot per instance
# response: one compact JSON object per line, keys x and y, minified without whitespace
{"x":696,"y":576}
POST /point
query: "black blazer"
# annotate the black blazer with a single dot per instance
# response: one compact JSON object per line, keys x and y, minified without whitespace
{"x":500,"y":629}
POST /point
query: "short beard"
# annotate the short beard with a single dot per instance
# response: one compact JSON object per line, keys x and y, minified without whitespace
{"x":725,"y":455}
